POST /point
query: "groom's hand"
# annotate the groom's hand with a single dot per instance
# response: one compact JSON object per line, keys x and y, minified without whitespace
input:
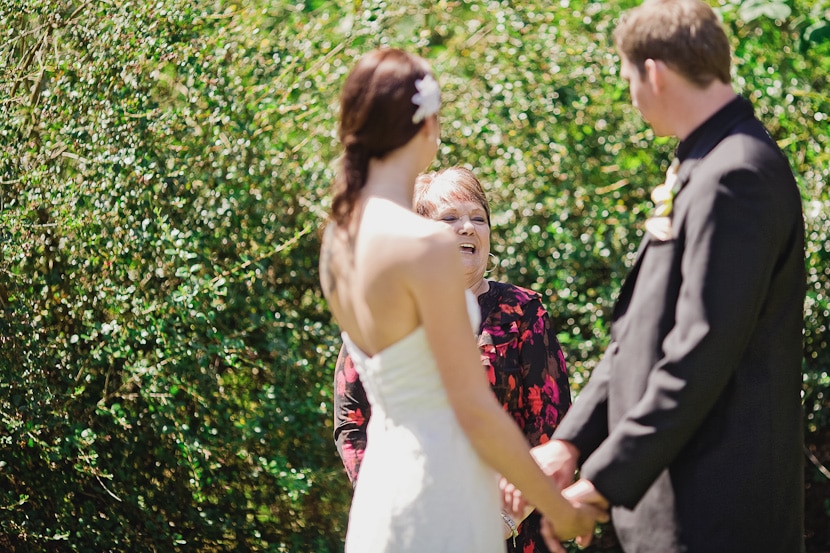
{"x":583,"y":491}
{"x":558,"y":459}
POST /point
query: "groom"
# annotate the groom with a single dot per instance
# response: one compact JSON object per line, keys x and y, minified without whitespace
{"x":690,"y":427}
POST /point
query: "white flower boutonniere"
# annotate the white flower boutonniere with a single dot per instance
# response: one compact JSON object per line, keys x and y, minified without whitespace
{"x":659,"y":224}
{"x":428,"y":98}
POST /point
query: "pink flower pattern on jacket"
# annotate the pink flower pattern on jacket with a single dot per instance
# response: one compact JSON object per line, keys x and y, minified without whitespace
{"x":526,"y":369}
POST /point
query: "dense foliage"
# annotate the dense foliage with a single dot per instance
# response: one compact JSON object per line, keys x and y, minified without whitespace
{"x":165,"y":353}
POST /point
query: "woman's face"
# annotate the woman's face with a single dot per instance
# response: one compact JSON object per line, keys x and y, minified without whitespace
{"x":469,"y":221}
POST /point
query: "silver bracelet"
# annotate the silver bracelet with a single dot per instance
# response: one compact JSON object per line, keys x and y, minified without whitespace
{"x":508,"y":520}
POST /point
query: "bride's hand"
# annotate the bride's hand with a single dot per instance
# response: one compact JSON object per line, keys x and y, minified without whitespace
{"x":580,"y":526}
{"x":589,"y":506}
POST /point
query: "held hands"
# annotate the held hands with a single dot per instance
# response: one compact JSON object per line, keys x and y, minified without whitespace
{"x":585,"y":506}
{"x":589,"y":503}
{"x":557,"y":459}
{"x":576,"y":521}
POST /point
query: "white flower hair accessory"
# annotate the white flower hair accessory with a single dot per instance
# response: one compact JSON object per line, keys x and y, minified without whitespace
{"x":428,"y":98}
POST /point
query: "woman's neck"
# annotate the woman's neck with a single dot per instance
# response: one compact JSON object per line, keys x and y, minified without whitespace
{"x":480,"y":287}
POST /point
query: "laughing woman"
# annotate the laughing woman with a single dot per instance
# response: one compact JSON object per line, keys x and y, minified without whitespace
{"x":519,"y":349}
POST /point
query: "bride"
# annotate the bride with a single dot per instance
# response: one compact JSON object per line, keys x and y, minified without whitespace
{"x":437,"y":437}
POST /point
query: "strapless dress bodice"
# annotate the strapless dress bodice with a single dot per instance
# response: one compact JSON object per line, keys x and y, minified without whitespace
{"x":403,"y":378}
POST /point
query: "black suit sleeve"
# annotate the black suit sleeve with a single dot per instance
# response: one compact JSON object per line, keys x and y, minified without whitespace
{"x":586,"y":423}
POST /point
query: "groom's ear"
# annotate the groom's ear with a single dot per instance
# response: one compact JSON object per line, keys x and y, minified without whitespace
{"x":655,"y":74}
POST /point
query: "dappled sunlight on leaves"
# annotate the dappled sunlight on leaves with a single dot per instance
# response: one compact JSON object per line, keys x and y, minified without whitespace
{"x":166,"y":356}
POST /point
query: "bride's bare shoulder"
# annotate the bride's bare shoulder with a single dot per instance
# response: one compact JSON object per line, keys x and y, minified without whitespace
{"x":392,"y":239}
{"x":422,"y":245}
{"x":417,"y":232}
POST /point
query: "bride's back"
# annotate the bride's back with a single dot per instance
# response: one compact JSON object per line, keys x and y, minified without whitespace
{"x":374,"y":243}
{"x":368,"y":272}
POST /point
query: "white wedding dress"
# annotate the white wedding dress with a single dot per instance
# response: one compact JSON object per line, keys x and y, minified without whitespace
{"x":422,"y":488}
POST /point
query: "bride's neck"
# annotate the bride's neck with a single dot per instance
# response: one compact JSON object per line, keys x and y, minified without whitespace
{"x":391,"y":178}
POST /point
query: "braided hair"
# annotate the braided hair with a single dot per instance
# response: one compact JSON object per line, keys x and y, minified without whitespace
{"x":376,"y":112}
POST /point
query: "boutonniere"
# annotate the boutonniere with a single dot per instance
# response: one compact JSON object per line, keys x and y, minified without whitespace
{"x":659,"y":224}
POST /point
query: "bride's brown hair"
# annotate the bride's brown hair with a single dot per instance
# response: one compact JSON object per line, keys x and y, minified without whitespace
{"x":376,"y":112}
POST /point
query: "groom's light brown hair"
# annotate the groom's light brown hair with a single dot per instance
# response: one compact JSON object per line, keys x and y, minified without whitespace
{"x":686,"y":35}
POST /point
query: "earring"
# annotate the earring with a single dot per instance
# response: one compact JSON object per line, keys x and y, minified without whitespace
{"x":495,"y":262}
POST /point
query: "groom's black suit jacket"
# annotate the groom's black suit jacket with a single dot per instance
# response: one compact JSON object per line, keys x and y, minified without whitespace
{"x":691,"y":424}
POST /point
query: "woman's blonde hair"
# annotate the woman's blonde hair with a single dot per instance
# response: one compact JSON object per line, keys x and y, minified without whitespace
{"x":452,"y":183}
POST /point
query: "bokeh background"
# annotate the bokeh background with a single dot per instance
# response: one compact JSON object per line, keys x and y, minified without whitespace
{"x":166,"y":355}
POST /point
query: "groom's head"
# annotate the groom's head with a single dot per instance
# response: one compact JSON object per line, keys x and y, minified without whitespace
{"x":686,"y":35}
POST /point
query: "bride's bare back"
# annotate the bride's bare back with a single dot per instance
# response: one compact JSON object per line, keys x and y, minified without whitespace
{"x":369,"y":271}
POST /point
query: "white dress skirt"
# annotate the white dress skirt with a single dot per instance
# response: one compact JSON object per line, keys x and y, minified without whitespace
{"x":422,"y":488}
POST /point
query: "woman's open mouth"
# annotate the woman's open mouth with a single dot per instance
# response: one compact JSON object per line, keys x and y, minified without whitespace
{"x":466,"y":247}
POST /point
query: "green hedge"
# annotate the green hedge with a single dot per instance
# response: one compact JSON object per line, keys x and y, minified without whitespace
{"x":165,"y":354}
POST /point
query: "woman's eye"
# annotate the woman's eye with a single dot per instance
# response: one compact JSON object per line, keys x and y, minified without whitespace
{"x":449,"y":219}
{"x":479,"y":219}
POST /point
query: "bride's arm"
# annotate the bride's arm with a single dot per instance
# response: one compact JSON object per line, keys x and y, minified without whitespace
{"x":436,"y":283}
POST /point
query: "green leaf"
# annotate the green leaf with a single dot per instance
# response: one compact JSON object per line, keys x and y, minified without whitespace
{"x":817,"y":33}
{"x":774,"y":9}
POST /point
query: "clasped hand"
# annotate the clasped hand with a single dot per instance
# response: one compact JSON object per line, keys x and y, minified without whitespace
{"x":558,"y":460}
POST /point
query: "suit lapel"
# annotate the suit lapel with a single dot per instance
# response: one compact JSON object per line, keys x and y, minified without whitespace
{"x":684,"y":173}
{"x":628,"y":285}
